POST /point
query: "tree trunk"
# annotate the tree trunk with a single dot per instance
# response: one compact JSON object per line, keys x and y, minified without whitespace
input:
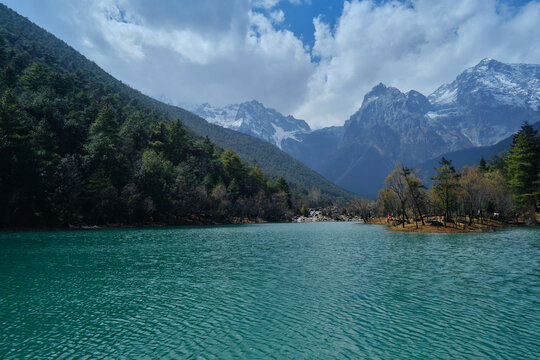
{"x":445,"y":209}
{"x":419,"y":212}
{"x":403,"y":214}
{"x":530,"y":213}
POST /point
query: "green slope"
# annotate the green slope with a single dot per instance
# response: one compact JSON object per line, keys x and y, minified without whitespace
{"x":270,"y":158}
{"x":62,"y":58}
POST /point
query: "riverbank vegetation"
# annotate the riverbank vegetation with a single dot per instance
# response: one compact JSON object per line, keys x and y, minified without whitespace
{"x":502,"y":191}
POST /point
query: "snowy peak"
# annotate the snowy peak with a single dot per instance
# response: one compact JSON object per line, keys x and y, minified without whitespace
{"x":416,"y":102}
{"x":411,"y":101}
{"x":253,"y":118}
{"x":487,"y":63}
{"x":223,"y":116}
{"x":488,"y":102}
{"x":253,"y":112}
{"x":482,"y":106}
{"x":444,"y":95}
{"x":381,"y":91}
{"x":492,"y":83}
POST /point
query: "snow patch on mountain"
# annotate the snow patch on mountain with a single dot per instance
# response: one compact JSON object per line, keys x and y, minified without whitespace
{"x":222,"y":116}
{"x":492,"y":83}
{"x":280,"y":134}
{"x":253,"y":118}
{"x":489,"y":101}
{"x":444,"y":95}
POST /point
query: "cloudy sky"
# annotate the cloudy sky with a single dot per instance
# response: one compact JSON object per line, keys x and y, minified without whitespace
{"x":314,"y":59}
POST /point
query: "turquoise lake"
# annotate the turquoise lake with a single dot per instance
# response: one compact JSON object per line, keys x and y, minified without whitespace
{"x":310,"y":290}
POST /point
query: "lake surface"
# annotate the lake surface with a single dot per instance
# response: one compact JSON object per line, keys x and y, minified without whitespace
{"x":311,"y":290}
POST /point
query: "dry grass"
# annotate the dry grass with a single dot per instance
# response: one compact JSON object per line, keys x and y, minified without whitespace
{"x":488,"y":225}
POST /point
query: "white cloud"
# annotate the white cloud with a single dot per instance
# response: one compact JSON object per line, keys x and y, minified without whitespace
{"x":412,"y":45}
{"x":267,"y":4}
{"x":277,"y":16}
{"x":270,"y":4}
{"x":243,"y":57}
{"x":223,"y":52}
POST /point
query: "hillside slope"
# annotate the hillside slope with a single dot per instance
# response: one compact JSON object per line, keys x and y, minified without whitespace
{"x":40,"y":46}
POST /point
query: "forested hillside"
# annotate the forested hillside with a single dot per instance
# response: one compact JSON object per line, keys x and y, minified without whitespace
{"x":78,"y":148}
{"x":43,"y":47}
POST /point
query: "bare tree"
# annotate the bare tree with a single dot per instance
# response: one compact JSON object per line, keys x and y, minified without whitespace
{"x":416,"y":191}
{"x":364,"y":208}
{"x":397,"y":184}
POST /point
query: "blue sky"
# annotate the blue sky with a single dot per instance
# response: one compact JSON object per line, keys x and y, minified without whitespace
{"x":312,"y":59}
{"x":299,"y":16}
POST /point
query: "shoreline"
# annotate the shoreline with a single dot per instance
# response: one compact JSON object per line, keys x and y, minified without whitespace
{"x":236,"y":221}
{"x":451,"y":228}
{"x":487,"y":226}
{"x":160,"y":225}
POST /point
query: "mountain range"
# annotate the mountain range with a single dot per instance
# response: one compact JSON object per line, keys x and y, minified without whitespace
{"x":483,"y":106}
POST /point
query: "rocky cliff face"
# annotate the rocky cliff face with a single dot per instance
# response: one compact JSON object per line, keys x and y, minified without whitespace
{"x":484,"y":105}
{"x":395,"y":125}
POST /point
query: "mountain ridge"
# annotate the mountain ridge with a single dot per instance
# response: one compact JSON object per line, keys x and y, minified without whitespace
{"x":482,"y":106}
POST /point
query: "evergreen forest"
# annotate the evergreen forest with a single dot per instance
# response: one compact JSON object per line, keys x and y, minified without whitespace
{"x":77,"y":149}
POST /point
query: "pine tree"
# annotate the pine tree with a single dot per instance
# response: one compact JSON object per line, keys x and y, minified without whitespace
{"x":17,"y":170}
{"x":177,"y":142}
{"x":103,"y":143}
{"x":304,"y":210}
{"x":522,"y":168}
{"x":483,"y":164}
{"x":46,"y":148}
{"x":446,"y":184}
{"x":416,"y":190}
{"x":283,"y":186}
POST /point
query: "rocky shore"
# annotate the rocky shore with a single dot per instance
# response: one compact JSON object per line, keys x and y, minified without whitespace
{"x":326,"y":214}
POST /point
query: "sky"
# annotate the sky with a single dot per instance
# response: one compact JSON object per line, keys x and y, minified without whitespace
{"x":313,"y":59}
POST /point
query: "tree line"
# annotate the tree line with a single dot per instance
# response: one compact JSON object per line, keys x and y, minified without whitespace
{"x":75,"y":152}
{"x":506,"y":189}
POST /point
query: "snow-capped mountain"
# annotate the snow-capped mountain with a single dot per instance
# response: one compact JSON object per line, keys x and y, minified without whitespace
{"x":484,"y":105}
{"x":398,"y":126}
{"x":489,"y":101}
{"x":254,"y":119}
{"x":515,"y":85}
{"x":223,"y":116}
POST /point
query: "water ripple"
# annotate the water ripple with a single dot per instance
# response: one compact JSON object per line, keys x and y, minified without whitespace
{"x":270,"y":291}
